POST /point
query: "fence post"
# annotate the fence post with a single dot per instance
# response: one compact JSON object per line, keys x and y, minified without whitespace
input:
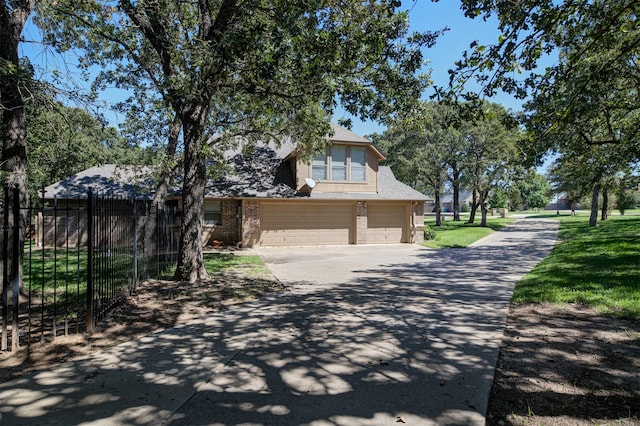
{"x":135,"y":246}
{"x":90,"y":255}
{"x":5,"y":271}
{"x":15,"y":269}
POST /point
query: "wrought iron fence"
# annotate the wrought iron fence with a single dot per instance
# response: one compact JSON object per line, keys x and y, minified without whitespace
{"x":66,"y":263}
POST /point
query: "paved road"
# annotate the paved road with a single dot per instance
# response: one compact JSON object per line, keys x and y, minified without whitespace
{"x":365,"y":335}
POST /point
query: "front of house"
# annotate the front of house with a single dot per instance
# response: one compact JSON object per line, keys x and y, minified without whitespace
{"x":273,"y":197}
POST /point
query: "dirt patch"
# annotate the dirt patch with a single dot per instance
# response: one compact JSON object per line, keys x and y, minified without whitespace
{"x":566,"y":366}
{"x":156,"y":305}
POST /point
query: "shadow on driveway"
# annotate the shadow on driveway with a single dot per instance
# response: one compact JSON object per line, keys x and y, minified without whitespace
{"x":411,"y":335}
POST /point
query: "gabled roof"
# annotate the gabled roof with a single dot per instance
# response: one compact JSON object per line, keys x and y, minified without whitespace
{"x":389,"y":189}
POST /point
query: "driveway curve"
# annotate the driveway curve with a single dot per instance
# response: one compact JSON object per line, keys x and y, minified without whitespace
{"x":365,"y":335}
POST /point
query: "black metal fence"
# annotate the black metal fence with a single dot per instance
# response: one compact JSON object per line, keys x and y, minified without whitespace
{"x":66,"y":263}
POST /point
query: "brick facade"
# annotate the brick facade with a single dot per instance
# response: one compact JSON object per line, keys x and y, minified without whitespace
{"x":227,"y":232}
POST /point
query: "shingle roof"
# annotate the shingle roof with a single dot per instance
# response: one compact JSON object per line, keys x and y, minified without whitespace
{"x":108,"y":179}
{"x":260,"y":174}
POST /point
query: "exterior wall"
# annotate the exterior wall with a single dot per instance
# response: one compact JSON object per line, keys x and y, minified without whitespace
{"x":250,"y":223}
{"x":227,"y":232}
{"x":303,"y":170}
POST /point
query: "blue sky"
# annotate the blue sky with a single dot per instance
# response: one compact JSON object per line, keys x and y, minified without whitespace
{"x":426,"y":15}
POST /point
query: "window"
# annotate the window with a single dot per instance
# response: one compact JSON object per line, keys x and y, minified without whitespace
{"x":358,"y":163}
{"x":339,"y":163}
{"x":319,"y":166}
{"x":212,"y":212}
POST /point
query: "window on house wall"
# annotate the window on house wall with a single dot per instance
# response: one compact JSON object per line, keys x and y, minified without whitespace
{"x":319,"y":166}
{"x":358,"y":163}
{"x":212,"y":212}
{"x":338,"y":163}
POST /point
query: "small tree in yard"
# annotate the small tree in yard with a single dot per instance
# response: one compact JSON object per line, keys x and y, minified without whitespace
{"x":626,"y":199}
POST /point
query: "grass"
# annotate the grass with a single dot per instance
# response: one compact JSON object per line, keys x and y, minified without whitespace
{"x":220,"y":262}
{"x":595,"y":267}
{"x":460,"y":234}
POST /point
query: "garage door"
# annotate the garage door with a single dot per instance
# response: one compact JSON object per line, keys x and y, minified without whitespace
{"x":306,"y":224}
{"x":386,"y":223}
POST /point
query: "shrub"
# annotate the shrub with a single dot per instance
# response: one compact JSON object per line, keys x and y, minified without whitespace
{"x":464,"y":208}
{"x":429,"y":234}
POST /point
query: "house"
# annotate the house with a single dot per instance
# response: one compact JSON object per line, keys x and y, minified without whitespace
{"x":273,"y":197}
{"x":446,"y":201}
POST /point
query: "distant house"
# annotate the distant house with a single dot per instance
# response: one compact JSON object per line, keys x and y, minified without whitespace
{"x":272,"y":197}
{"x":446,"y":201}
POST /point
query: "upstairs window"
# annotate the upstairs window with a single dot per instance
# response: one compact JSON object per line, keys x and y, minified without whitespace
{"x":319,"y":166}
{"x":358,"y":163}
{"x":212,"y":212}
{"x":339,"y":163}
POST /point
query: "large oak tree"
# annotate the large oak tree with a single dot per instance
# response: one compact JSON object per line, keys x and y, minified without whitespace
{"x":249,"y":68}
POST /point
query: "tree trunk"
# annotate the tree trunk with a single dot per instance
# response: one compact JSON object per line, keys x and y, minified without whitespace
{"x":474,"y":207}
{"x":483,"y":208}
{"x":14,"y":124}
{"x":593,"y":218}
{"x":456,"y":194}
{"x":438,"y":208}
{"x":190,"y":256}
{"x":605,"y":205}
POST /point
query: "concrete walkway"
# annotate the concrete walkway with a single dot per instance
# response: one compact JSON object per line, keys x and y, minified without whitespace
{"x":366,"y":335}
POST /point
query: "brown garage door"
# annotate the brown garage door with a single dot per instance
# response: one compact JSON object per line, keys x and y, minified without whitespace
{"x":387,"y":223}
{"x":299,"y":224}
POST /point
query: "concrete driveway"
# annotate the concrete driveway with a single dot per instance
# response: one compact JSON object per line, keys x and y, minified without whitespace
{"x":365,"y":335}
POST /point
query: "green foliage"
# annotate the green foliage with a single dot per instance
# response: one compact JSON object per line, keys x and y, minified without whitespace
{"x":593,"y":266}
{"x":64,"y":140}
{"x":533,"y":190}
{"x":429,"y":233}
{"x":626,"y":200}
{"x":498,"y":199}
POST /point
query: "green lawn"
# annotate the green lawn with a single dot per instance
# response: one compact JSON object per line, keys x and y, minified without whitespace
{"x":218,"y":262}
{"x":597,"y":267}
{"x":460,"y":234}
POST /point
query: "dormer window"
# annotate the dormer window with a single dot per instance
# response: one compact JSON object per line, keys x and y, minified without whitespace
{"x":340,"y":163}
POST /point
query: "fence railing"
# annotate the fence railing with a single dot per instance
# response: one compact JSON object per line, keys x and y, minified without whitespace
{"x":68,"y":262}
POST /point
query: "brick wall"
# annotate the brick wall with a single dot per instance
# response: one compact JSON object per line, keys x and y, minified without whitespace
{"x":226,"y":232}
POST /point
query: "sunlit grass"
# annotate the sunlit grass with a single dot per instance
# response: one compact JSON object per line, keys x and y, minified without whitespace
{"x":218,"y":262}
{"x":460,"y":234}
{"x":598,"y":267}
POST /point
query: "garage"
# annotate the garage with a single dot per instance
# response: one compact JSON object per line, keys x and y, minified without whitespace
{"x":300,"y":224}
{"x":387,"y":223}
